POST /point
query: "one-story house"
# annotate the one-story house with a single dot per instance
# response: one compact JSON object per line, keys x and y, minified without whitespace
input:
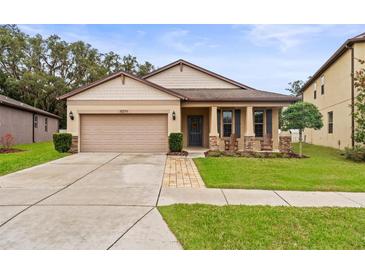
{"x":125,"y":113}
{"x":25,"y":123}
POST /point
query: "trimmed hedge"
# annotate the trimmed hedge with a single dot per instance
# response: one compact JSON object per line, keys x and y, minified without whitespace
{"x":176,"y":142}
{"x":62,"y":141}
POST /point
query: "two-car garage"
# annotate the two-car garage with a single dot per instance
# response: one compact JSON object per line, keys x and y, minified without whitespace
{"x":123,"y":133}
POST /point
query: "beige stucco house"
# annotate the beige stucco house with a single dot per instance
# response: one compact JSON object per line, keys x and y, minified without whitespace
{"x":125,"y":113}
{"x":332,"y":90}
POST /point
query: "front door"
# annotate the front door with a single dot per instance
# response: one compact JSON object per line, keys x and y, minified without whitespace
{"x":195,"y":127}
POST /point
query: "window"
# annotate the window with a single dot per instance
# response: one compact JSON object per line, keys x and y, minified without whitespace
{"x":35,"y":122}
{"x":259,"y":123}
{"x":322,"y":85}
{"x":45,"y":124}
{"x":227,"y":123}
{"x":330,"y":122}
{"x":315,"y":91}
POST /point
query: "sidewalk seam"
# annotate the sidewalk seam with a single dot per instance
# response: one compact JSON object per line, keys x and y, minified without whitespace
{"x":343,"y":196}
{"x":224,"y":195}
{"x":282,"y":198}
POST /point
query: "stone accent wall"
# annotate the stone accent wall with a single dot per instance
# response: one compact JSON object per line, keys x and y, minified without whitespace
{"x":74,"y":145}
{"x":249,"y":143}
{"x":213,"y":143}
{"x":285,"y":144}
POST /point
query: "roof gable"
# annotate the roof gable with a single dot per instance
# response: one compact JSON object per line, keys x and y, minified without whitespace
{"x":123,"y":88}
{"x":122,"y":77}
{"x":182,"y":74}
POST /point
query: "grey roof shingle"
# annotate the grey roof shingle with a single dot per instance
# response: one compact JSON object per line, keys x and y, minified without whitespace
{"x":234,"y":94}
{"x":4,"y":100}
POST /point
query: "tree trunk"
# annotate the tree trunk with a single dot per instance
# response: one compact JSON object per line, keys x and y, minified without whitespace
{"x":300,"y":143}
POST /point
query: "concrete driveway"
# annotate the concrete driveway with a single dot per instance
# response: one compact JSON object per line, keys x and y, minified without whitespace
{"x":85,"y":201}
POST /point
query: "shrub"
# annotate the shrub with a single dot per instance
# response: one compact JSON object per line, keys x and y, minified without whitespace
{"x":176,"y":142}
{"x":7,"y":141}
{"x":356,"y":154}
{"x":62,"y":141}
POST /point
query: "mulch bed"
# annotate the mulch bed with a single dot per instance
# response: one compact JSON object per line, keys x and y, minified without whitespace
{"x":9,"y":150}
{"x":182,"y":153}
{"x":254,"y":154}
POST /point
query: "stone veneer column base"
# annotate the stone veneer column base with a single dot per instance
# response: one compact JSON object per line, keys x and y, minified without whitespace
{"x":74,"y":145}
{"x":248,"y":143}
{"x":213,"y":142}
{"x":285,"y":144}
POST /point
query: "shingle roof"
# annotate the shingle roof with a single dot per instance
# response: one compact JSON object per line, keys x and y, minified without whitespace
{"x":234,"y":94}
{"x":4,"y":100}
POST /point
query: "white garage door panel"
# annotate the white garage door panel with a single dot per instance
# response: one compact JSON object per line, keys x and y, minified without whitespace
{"x":124,"y":133}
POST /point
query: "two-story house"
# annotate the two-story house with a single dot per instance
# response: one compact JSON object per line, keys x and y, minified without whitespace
{"x":332,"y":90}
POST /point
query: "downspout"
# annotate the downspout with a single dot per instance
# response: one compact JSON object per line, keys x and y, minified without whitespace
{"x":33,"y":128}
{"x":352,"y":97}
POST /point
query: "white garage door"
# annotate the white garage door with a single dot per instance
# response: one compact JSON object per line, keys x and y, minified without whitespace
{"x":123,"y":133}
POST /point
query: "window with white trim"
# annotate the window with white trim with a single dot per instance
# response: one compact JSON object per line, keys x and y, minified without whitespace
{"x":330,"y":122}
{"x":35,"y":122}
{"x":45,"y":124}
{"x":315,"y":91}
{"x":259,"y":123}
{"x":322,"y":85}
{"x":227,"y":123}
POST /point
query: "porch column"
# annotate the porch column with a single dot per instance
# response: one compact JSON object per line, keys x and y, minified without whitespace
{"x":249,"y":122}
{"x":249,"y":137}
{"x":213,"y":130}
{"x":275,"y":128}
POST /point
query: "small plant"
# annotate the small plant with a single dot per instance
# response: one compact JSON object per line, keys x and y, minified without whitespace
{"x":356,"y":154}
{"x":62,"y":141}
{"x":176,"y":142}
{"x":7,"y":141}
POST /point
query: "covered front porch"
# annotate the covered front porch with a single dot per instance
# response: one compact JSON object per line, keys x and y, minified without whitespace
{"x":254,"y":127}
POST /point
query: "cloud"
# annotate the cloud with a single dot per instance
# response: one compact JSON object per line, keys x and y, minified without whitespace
{"x":183,"y":41}
{"x":284,"y":37}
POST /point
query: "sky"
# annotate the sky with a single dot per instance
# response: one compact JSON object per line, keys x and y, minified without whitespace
{"x":266,"y":57}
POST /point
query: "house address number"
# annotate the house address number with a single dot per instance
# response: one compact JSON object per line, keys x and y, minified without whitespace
{"x":123,"y":111}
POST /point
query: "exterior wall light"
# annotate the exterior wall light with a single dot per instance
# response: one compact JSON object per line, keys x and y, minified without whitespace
{"x":71,"y":115}
{"x":173,"y":115}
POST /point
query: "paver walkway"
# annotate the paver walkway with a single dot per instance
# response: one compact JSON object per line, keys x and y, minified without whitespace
{"x":181,"y":172}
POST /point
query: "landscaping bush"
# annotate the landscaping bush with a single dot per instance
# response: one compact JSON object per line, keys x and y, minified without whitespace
{"x":7,"y":141}
{"x":176,"y":142}
{"x":62,"y":141}
{"x":356,"y":154}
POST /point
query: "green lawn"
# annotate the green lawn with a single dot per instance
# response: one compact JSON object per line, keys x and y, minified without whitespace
{"x":33,"y":154}
{"x":263,"y":227}
{"x":325,"y":170}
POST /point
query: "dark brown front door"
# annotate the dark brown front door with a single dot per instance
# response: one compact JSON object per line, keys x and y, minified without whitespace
{"x":195,"y":129}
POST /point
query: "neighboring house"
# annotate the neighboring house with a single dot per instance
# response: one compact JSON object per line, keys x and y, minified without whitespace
{"x":124,"y":113}
{"x":332,"y":90}
{"x":26,"y":123}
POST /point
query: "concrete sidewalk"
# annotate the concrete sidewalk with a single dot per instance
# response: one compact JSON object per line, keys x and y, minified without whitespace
{"x":216,"y":196}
